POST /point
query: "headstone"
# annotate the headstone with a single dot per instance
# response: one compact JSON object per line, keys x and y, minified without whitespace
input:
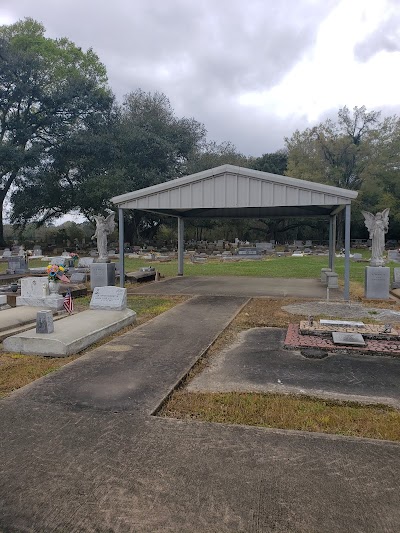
{"x":93,"y":253}
{"x":3,"y":299}
{"x":33,"y":287}
{"x":396,"y":278}
{"x":17,"y":265}
{"x":85,"y":262}
{"x":357,"y":257}
{"x":35,"y":293}
{"x":349,"y":339}
{"x":37,"y":251}
{"x":44,"y":322}
{"x":308,"y":243}
{"x":7,"y":252}
{"x":264,"y":246}
{"x":247,"y":251}
{"x":78,"y":277}
{"x":377,"y":283}
{"x":394,"y":255}
{"x":343,"y":323}
{"x":21,"y":251}
{"x":60,"y":261}
{"x":65,"y":254}
{"x":109,"y":298}
{"x":102,"y":275}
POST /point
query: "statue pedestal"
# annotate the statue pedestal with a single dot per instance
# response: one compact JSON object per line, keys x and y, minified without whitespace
{"x":377,"y":283}
{"x":102,"y":275}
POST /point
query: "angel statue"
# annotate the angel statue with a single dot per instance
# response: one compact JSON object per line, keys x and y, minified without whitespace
{"x":104,"y":226}
{"x":377,"y":226}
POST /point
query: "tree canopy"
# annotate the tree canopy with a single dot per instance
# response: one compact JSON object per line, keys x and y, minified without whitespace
{"x":49,"y":89}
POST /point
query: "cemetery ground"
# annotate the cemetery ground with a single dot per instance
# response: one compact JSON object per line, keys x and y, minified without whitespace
{"x":83,"y":450}
{"x":269,"y":410}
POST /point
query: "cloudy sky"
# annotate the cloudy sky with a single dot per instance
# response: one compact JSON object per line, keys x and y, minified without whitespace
{"x":251,"y":70}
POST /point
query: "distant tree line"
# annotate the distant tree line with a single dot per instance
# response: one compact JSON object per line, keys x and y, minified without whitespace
{"x":67,"y":144}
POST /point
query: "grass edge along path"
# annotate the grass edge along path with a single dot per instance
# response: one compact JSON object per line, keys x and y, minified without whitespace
{"x":301,"y":413}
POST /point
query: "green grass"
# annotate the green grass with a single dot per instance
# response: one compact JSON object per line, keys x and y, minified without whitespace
{"x":272,"y":267}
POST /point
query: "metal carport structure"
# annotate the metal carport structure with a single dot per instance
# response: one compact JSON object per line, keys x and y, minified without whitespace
{"x":229,"y":191}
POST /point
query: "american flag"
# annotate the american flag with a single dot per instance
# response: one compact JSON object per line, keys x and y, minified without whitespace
{"x":68,"y":302}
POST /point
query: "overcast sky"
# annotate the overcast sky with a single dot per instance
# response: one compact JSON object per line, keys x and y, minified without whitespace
{"x":251,"y":70}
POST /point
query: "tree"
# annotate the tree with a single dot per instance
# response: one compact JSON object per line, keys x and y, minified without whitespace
{"x":276,"y":162}
{"x":337,"y":153}
{"x":358,"y":152}
{"x":154,"y":145}
{"x":48,"y":90}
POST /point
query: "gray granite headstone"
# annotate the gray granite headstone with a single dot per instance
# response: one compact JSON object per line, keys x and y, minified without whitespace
{"x":44,"y":322}
{"x":393,"y":255}
{"x":17,"y":265}
{"x":102,"y":275}
{"x":349,"y":339}
{"x":78,"y":277}
{"x":109,"y":298}
{"x":377,"y":283}
{"x":7,"y":252}
{"x":396,"y":278}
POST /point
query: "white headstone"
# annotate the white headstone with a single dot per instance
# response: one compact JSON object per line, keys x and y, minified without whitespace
{"x":33,"y":287}
{"x":85,"y":262}
{"x":111,"y":298}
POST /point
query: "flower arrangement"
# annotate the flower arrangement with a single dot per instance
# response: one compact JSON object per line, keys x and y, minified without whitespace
{"x":74,"y":256}
{"x":56,"y":273}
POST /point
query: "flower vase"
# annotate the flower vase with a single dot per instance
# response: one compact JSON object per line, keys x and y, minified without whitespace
{"x":53,"y":288}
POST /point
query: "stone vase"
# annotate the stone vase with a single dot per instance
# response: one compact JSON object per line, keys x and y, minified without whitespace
{"x":53,"y":288}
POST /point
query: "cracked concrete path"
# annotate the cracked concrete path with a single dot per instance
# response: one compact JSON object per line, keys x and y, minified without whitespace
{"x":79,"y":451}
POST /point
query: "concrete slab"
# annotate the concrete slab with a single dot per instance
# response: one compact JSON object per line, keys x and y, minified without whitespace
{"x":258,"y":362}
{"x":72,"y":335}
{"x":18,"y":316}
{"x":240,"y":286}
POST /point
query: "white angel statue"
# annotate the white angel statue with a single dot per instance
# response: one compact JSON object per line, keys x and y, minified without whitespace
{"x":377,"y":226}
{"x":104,"y":226}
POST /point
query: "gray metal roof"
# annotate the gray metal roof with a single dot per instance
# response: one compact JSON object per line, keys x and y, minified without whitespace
{"x":237,"y":192}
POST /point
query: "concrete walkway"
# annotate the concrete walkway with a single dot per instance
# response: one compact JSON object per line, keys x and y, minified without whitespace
{"x":81,"y":452}
{"x":240,"y":286}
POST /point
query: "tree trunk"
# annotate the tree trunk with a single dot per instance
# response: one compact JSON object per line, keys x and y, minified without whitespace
{"x":2,"y":241}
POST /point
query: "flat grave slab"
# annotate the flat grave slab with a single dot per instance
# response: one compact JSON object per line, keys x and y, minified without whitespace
{"x":72,"y":334}
{"x":370,"y":331}
{"x":348,"y":339}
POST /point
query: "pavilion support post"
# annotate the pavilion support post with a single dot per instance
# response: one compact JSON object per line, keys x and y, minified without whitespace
{"x":181,"y":245}
{"x":121,"y":247}
{"x":332,"y":242}
{"x":347,"y":252}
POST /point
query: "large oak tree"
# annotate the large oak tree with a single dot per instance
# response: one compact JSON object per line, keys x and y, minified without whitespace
{"x":49,"y":89}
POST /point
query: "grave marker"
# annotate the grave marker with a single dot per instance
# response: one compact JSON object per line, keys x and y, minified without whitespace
{"x":109,"y":298}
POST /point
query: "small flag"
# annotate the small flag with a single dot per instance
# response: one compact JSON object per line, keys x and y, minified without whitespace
{"x":68,"y":302}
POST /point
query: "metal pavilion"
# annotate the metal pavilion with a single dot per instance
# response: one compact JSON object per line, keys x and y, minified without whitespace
{"x":229,"y":191}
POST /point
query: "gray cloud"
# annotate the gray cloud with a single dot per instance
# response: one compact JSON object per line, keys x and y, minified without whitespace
{"x":385,"y":38}
{"x":201,"y":54}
